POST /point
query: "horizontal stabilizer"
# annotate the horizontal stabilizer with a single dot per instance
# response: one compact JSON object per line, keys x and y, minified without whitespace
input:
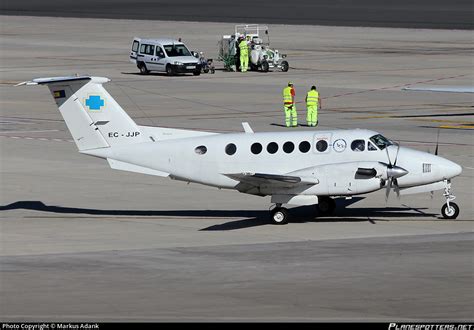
{"x":52,"y":80}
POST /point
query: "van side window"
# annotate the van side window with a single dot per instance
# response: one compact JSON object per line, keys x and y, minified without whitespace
{"x":150,"y":50}
{"x":147,"y":49}
{"x":135,"y":46}
{"x":159,"y":52}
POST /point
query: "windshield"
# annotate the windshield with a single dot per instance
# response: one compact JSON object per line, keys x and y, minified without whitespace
{"x":380,"y":141}
{"x":176,"y":50}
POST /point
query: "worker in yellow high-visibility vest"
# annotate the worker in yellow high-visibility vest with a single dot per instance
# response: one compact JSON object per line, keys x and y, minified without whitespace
{"x":291,"y":117}
{"x":313,"y":102}
{"x":244,"y":55}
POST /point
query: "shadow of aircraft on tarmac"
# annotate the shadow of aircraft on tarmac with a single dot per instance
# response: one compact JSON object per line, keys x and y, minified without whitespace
{"x":251,"y":218}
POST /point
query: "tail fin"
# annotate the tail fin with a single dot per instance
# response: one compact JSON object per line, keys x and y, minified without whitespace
{"x":93,"y":117}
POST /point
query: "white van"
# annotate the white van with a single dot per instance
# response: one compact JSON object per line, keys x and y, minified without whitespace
{"x":163,"y":55}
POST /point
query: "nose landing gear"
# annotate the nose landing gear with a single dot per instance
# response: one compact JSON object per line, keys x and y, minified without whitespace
{"x":450,"y":210}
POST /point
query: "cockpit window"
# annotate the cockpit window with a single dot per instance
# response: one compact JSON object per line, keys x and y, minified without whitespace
{"x":371,"y":147}
{"x":380,"y":141}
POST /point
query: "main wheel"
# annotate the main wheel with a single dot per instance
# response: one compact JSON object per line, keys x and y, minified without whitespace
{"x":279,"y":216}
{"x":169,"y":70}
{"x":450,"y":212}
{"x":264,"y":66}
{"x":284,"y":66}
{"x":142,"y":68}
{"x":326,"y":205}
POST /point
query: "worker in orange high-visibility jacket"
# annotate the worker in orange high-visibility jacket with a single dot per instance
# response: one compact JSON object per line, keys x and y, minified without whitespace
{"x":289,"y":105}
{"x":313,"y":102}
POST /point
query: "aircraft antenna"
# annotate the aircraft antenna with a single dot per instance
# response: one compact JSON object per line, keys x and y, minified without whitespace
{"x":135,"y":104}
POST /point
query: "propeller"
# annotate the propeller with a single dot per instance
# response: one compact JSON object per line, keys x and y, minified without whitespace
{"x":393,"y":173}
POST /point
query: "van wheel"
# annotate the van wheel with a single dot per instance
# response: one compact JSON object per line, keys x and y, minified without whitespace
{"x":142,"y":68}
{"x":264,"y":66}
{"x":169,"y":70}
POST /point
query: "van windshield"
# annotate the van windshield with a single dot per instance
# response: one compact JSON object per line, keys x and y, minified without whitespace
{"x":176,"y":50}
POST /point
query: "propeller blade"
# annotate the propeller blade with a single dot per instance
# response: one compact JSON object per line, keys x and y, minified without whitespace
{"x":388,"y":157}
{"x":396,"y":155}
{"x":396,"y":188}
{"x":387,"y":190}
{"x":437,"y":143}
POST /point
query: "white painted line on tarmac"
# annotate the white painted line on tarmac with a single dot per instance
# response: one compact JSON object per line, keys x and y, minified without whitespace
{"x":43,"y":131}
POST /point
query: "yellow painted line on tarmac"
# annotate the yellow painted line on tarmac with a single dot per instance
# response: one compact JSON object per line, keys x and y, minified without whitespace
{"x":457,"y":126}
{"x":443,"y":121}
{"x":467,"y":123}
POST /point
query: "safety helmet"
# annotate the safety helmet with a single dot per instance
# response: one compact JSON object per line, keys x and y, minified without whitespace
{"x":290,"y":83}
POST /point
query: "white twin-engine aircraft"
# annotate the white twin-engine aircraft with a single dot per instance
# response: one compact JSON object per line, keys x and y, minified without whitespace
{"x":298,"y":168}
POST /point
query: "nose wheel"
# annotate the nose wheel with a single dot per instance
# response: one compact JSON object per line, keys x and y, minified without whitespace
{"x":450,"y":210}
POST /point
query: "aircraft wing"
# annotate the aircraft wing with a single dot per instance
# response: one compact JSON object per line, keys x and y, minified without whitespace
{"x":254,"y":181}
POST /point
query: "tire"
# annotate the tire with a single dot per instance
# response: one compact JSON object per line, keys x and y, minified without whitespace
{"x":197,"y":73}
{"x":169,"y":70}
{"x":284,"y":66}
{"x":264,"y":66}
{"x":142,"y":67}
{"x":326,"y":205}
{"x":205,"y":70}
{"x":450,"y":213}
{"x":213,"y":70}
{"x":279,"y":216}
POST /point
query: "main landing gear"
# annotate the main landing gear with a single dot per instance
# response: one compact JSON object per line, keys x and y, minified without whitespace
{"x":280,"y":216}
{"x":450,"y":210}
{"x":326,"y":205}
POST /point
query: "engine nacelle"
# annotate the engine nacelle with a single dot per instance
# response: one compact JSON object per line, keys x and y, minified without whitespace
{"x":344,"y":179}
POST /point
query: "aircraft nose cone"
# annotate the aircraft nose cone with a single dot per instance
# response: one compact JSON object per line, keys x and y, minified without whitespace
{"x":396,"y":172}
{"x":452,"y":169}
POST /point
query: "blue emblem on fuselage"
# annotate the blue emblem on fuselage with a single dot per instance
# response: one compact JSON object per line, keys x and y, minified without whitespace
{"x":94,"y":102}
